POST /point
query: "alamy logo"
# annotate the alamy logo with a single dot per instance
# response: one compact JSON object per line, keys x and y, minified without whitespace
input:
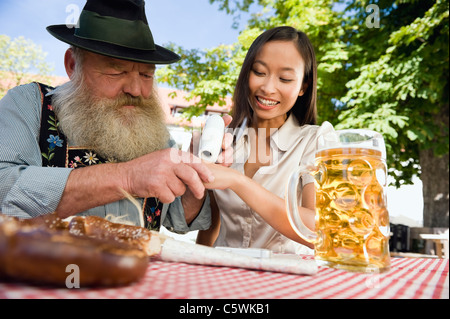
{"x":373,"y":279}
{"x":373,"y":19}
{"x":74,"y":13}
{"x":73,"y":279}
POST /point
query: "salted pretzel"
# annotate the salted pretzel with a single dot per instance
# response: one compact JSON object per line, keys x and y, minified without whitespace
{"x":39,"y":250}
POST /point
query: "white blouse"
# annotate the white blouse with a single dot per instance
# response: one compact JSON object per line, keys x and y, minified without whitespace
{"x":291,"y":145}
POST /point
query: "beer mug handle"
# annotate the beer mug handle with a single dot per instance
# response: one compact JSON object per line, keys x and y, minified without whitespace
{"x":292,"y":206}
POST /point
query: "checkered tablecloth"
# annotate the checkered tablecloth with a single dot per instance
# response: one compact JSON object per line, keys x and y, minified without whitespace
{"x":410,"y":278}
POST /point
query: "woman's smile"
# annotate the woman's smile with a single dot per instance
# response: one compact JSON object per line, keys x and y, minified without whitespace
{"x":266,"y":104}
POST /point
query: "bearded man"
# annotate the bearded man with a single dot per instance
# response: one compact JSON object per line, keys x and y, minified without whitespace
{"x":91,"y":144}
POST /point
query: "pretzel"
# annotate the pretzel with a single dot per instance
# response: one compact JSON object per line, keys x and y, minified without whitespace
{"x":39,"y":250}
{"x":97,"y":227}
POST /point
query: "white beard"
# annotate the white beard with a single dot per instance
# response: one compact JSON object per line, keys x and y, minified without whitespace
{"x":103,"y":125}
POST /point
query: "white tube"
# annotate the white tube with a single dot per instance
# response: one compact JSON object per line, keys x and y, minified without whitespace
{"x":211,"y":140}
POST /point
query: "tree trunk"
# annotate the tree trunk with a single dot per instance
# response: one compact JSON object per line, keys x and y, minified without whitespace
{"x":435,"y":180}
{"x":434,"y":176}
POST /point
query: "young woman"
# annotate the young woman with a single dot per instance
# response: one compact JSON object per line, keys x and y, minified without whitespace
{"x":274,"y":117}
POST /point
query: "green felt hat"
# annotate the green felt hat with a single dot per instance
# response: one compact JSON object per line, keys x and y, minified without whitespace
{"x":115,"y":28}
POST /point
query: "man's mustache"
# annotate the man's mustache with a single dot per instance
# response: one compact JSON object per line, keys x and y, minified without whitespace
{"x":127,"y":99}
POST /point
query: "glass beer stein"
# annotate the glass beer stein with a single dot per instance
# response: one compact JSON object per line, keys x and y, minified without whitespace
{"x":352,"y":220}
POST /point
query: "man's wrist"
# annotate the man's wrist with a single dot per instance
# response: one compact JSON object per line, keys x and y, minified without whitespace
{"x":123,"y":180}
{"x":191,"y":205}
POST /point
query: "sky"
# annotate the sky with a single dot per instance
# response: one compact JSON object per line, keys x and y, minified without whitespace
{"x":190,"y":24}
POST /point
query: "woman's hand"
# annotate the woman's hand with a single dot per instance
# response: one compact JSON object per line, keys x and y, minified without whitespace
{"x":224,"y":177}
{"x":225,"y":157}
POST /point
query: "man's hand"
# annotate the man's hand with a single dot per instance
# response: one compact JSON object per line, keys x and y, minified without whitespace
{"x":165,"y":174}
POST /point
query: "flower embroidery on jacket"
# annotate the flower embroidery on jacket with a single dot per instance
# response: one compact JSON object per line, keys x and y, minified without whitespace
{"x":90,"y":158}
{"x":73,"y":164}
{"x":153,"y":216}
{"x":54,"y":141}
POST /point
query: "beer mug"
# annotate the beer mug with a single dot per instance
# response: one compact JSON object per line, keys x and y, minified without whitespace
{"x":352,"y":220}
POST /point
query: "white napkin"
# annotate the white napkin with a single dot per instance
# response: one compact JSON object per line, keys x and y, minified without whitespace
{"x":177,"y":251}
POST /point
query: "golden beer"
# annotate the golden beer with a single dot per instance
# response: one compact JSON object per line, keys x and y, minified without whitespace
{"x":352,"y":220}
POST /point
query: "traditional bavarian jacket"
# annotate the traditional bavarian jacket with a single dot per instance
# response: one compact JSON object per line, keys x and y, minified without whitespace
{"x":36,"y":159}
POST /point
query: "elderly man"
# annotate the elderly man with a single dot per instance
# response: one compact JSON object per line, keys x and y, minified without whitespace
{"x":89,"y":145}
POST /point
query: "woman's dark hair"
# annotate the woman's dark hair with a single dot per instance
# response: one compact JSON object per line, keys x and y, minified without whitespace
{"x":304,"y":109}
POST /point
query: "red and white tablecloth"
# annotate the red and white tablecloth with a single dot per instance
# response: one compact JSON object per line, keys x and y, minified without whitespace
{"x":409,"y":278}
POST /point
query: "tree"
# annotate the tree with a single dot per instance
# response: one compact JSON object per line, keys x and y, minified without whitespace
{"x":389,"y":75}
{"x":19,"y":58}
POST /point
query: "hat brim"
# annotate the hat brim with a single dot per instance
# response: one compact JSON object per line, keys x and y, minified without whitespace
{"x":158,"y":56}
